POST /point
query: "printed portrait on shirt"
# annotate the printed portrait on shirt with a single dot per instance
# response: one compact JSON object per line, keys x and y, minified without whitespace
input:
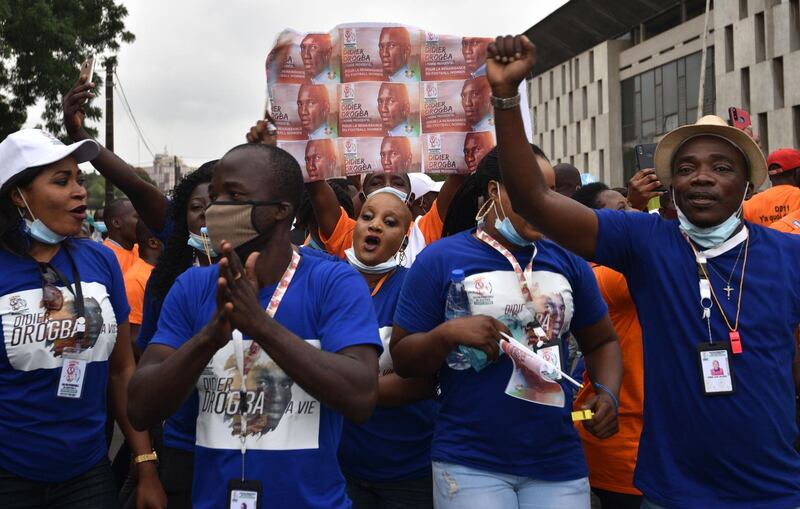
{"x":269,"y":393}
{"x":35,"y":337}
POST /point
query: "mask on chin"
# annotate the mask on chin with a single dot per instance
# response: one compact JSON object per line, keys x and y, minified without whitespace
{"x":713,"y":235}
{"x":380,"y":268}
{"x":505,"y":227}
{"x":36,"y":229}
{"x":202,"y":243}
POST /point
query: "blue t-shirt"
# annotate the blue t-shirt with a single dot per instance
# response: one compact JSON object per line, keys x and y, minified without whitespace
{"x":179,"y":428}
{"x":724,"y":450}
{"x":478,"y":425}
{"x":395,"y":444}
{"x":292,"y":451}
{"x":42,"y":436}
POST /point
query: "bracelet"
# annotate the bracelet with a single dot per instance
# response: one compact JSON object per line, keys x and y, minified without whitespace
{"x":146,"y":457}
{"x":505,"y":103}
{"x":607,"y":391}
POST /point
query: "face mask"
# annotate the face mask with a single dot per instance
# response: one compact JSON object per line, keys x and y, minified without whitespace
{"x":507,"y":229}
{"x":391,"y":190}
{"x":381,"y":268}
{"x":100,"y":227}
{"x":714,"y":235}
{"x":201,"y":242}
{"x":233,"y":221}
{"x":36,"y":229}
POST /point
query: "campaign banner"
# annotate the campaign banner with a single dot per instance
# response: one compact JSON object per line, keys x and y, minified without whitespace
{"x":449,"y":57}
{"x":378,"y":109}
{"x":318,"y":159}
{"x":380,"y":53}
{"x":390,"y":154}
{"x":532,"y":378}
{"x":455,"y":152}
{"x":380,"y":91}
{"x":304,"y":112}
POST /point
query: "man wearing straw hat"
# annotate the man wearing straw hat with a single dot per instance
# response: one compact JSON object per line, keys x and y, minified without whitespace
{"x":707,"y":287}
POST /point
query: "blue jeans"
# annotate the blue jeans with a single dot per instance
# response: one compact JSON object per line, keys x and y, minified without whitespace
{"x":460,"y":487}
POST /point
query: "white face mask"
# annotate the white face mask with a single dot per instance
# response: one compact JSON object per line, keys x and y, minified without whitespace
{"x":713,"y":235}
{"x":381,"y":268}
{"x":391,"y":190}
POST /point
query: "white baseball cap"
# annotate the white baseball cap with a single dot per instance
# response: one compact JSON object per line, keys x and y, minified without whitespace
{"x":28,"y":148}
{"x":421,"y":184}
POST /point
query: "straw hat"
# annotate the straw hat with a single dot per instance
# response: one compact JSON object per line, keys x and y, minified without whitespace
{"x":716,"y":126}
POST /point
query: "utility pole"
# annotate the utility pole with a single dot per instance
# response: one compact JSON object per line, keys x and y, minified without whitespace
{"x":177,"y":172}
{"x":701,"y":93}
{"x":110,"y":63}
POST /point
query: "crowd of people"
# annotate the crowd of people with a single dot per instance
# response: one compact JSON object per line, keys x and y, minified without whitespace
{"x":264,"y":342}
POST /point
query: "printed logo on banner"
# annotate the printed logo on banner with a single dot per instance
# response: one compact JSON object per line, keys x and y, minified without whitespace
{"x":431,"y":38}
{"x":431,"y":91}
{"x":434,"y":143}
{"x":350,"y":149}
{"x":17,"y":303}
{"x":350,"y":38}
{"x":348,"y":92}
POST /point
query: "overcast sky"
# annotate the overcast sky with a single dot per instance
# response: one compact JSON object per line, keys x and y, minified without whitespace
{"x":195,"y":77}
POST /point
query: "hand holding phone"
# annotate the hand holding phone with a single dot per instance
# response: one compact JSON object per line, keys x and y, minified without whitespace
{"x":87,"y":70}
{"x":739,"y":118}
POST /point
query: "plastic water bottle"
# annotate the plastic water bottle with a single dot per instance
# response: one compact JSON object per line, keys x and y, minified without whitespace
{"x":456,"y":306}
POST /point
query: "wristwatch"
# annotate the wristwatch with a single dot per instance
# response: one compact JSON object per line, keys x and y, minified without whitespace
{"x":146,"y":457}
{"x":505,"y":103}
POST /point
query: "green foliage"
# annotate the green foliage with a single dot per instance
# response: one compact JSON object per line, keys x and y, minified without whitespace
{"x":95,"y":185}
{"x":42,"y":44}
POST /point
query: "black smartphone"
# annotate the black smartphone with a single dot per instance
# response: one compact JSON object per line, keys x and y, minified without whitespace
{"x":644,"y":159}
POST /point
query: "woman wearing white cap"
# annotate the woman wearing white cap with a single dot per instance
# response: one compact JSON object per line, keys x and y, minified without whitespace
{"x":708,"y":287}
{"x":65,"y":337}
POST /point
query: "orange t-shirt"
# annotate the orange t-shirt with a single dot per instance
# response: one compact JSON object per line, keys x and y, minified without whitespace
{"x":613,"y":460}
{"x":788,"y":224}
{"x":135,"y":282}
{"x":430,"y":226}
{"x":771,"y":205}
{"x":124,"y":256}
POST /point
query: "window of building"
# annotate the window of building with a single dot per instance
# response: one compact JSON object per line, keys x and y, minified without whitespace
{"x":585,"y":104}
{"x":761,"y":38}
{"x":777,"y":82}
{"x":552,"y":143}
{"x":585,"y":163}
{"x":552,"y":91}
{"x":729,"y":48}
{"x":591,"y":66}
{"x":577,"y":72}
{"x":570,"y":108}
{"x":563,"y":79}
{"x":540,"y":90}
{"x":593,"y":135}
{"x":742,"y":9}
{"x":794,"y":30}
{"x":564,"y":141}
{"x":599,"y":97}
{"x":558,"y":112}
{"x":602,"y":169}
{"x":746,"y":88}
{"x":547,"y":116}
{"x":578,"y":137}
{"x":763,"y":131}
{"x":657,"y":101}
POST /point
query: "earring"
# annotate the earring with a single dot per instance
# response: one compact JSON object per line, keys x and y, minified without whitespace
{"x":402,"y":257}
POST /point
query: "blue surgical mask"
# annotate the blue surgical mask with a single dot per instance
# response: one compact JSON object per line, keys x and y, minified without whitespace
{"x":100,"y":227}
{"x":391,"y":190}
{"x":713,"y":235}
{"x":507,"y":229}
{"x":36,"y":229}
{"x":201,"y":243}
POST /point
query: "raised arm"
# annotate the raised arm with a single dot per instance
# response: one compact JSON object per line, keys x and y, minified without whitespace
{"x":574,"y":226}
{"x":449,"y":189}
{"x":149,"y":202}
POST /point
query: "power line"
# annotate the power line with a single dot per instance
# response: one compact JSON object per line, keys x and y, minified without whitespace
{"x":129,"y":112}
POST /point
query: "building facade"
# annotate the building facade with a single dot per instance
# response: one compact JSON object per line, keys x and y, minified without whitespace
{"x":163,"y":171}
{"x":593,"y":108}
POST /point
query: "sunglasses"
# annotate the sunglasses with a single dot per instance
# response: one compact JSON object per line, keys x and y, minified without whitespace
{"x":52,"y":298}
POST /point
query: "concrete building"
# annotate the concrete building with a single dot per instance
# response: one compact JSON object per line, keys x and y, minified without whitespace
{"x":612,"y":74}
{"x":163,"y":171}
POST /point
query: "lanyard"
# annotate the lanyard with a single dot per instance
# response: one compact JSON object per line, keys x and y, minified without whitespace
{"x":522,"y":278}
{"x":707,"y":292}
{"x":380,"y":283}
{"x":243,"y":362}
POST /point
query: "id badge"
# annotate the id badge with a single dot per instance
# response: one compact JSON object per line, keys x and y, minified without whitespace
{"x":244,"y":494}
{"x":551,"y":352}
{"x":73,"y":372}
{"x":716,"y":370}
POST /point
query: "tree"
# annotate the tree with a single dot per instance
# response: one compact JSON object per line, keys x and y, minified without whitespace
{"x":42,"y":44}
{"x":95,"y":185}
